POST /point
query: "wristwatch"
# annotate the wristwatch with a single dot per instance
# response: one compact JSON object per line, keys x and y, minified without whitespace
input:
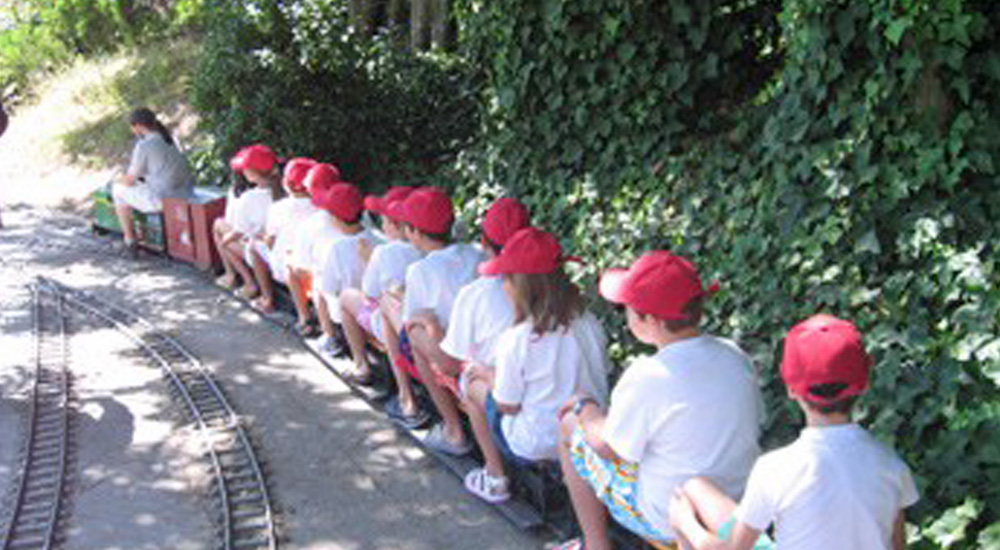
{"x":581,"y":402}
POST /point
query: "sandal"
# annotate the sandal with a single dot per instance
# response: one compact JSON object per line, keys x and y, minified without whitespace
{"x":262,"y":306}
{"x":357,"y":378}
{"x":571,"y":544}
{"x":249,"y":292}
{"x":225,"y":282}
{"x":438,"y":441}
{"x":307,"y":330}
{"x":413,"y":421}
{"x":491,"y":489}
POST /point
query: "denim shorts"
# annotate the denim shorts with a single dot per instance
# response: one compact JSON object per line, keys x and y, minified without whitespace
{"x":493,"y":418}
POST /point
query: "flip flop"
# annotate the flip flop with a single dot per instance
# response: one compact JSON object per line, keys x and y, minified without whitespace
{"x":221,"y":282}
{"x":249,"y":293}
{"x":258,"y":305}
{"x":306,"y":330}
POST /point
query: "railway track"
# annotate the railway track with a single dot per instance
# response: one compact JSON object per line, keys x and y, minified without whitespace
{"x":245,"y":518}
{"x":42,"y":492}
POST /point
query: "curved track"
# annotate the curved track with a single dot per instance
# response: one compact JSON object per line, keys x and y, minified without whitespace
{"x":246,"y":518}
{"x":42,"y":495}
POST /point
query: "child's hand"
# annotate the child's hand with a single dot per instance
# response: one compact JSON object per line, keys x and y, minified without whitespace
{"x":681,"y":509}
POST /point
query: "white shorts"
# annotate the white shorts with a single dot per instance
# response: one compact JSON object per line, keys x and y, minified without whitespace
{"x":275,"y":260}
{"x":139,"y":196}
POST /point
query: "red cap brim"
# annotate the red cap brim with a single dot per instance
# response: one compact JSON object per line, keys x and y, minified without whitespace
{"x":373,"y":204}
{"x":492,"y":267}
{"x":612,"y":285}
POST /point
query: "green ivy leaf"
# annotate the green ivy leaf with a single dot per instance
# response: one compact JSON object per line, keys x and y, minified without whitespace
{"x":894,"y":32}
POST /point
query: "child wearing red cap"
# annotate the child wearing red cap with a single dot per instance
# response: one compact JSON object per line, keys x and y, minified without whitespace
{"x":555,"y":349}
{"x":343,"y":267}
{"x":259,"y":165}
{"x":268,"y":255}
{"x":692,"y":408}
{"x":835,"y":487}
{"x":307,"y":241}
{"x":386,"y":269}
{"x":481,"y":312}
{"x":431,"y":286}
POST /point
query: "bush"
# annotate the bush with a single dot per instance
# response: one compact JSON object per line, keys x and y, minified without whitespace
{"x":858,"y":179}
{"x":296,"y":76}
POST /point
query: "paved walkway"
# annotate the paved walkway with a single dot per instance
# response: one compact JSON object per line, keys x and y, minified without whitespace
{"x":343,"y":477}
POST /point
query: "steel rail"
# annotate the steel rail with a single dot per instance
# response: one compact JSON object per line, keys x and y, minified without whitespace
{"x":214,"y":419}
{"x":41,"y":491}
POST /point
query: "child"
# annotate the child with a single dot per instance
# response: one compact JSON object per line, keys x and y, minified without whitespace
{"x":555,"y":349}
{"x":386,"y":269}
{"x":431,"y":286}
{"x":268,"y":255}
{"x":481,"y":312}
{"x":835,"y":487}
{"x":691,"y":409}
{"x":343,"y":266}
{"x":301,"y":260}
{"x":259,"y":165}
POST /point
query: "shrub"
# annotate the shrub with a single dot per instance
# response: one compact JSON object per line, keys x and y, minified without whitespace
{"x":296,"y":76}
{"x":858,"y":179}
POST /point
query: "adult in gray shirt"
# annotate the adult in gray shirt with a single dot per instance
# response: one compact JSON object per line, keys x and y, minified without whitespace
{"x":158,"y":170}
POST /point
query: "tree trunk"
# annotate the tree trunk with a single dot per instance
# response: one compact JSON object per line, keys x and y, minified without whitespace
{"x":420,"y":24}
{"x":441,"y":24}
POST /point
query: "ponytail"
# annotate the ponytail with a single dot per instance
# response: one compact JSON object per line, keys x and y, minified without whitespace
{"x":143,"y":116}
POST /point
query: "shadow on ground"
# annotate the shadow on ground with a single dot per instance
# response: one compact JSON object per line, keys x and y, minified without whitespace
{"x":343,"y":476}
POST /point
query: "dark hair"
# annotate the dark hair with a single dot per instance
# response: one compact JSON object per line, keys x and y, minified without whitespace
{"x":239,"y":183}
{"x":693,"y":310}
{"x":550,"y":300}
{"x":444,"y":237}
{"x":492,"y":246}
{"x":145,"y":117}
{"x":829,"y":391}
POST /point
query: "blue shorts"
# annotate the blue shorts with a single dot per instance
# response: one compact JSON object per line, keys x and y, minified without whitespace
{"x":493,"y":418}
{"x":616,"y":484}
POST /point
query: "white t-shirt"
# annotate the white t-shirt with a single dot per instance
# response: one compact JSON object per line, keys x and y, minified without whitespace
{"x":282,"y":219}
{"x":230,"y":214}
{"x":250,"y":216}
{"x":692,"y":409}
{"x":835,"y":487}
{"x":540,"y":373}
{"x":302,"y":238}
{"x":387,"y":267}
{"x":481,"y":313}
{"x":344,"y":267}
{"x":433,"y":282}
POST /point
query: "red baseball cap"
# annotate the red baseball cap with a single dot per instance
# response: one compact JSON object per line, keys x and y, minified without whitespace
{"x":396,"y":210}
{"x":529,"y":250}
{"x":429,"y":209}
{"x":825,"y":350}
{"x":320,"y":178}
{"x":295,"y":173}
{"x":503,"y":219}
{"x":343,"y":200}
{"x":259,"y":158}
{"x":379,"y":205}
{"x":659,"y":283}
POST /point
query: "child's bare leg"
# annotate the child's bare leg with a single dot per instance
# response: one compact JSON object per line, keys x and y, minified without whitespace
{"x":262,"y":273}
{"x":351,"y":302}
{"x":475,"y":406}
{"x":711,"y":505}
{"x":235,"y":250}
{"x":392,"y":321}
{"x":299,"y":297}
{"x":590,"y":511}
{"x":323,"y":313}
{"x":219,"y":230}
{"x":442,"y":399}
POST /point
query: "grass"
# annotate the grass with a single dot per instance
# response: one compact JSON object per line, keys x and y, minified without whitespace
{"x":155,"y":76}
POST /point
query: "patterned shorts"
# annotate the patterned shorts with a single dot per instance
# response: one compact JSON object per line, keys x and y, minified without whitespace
{"x":615,"y":482}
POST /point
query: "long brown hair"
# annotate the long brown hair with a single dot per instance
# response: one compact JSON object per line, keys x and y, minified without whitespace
{"x":549,"y":300}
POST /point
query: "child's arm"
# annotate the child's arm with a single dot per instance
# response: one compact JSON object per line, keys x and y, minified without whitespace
{"x":590,"y":418}
{"x":899,"y":532}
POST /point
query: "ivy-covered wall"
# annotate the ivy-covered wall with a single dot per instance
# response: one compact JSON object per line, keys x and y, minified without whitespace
{"x":812,"y":155}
